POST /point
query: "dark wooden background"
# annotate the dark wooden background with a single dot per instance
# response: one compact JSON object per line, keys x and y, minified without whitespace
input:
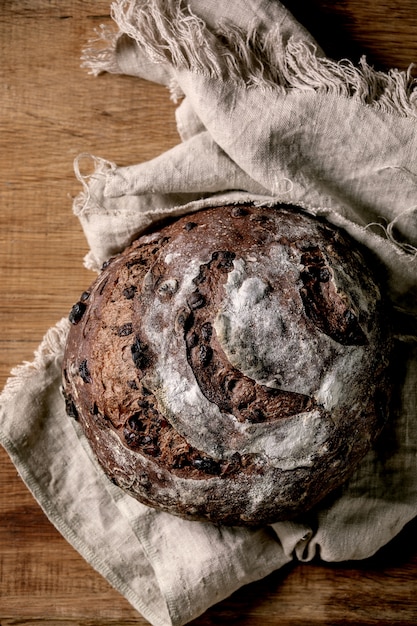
{"x":50,"y":111}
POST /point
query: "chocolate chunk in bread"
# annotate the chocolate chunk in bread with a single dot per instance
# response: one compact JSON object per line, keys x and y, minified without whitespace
{"x":232,"y":367}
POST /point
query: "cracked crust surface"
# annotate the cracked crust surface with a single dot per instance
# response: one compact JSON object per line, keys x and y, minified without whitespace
{"x":231,"y":366}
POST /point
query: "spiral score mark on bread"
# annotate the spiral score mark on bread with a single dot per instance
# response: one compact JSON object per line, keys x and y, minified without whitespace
{"x":231,"y":367}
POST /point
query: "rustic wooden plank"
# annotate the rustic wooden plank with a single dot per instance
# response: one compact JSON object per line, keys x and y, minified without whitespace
{"x":50,"y":111}
{"x":382,"y":31}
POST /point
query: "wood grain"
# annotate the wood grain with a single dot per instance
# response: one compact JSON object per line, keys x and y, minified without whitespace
{"x":50,"y":111}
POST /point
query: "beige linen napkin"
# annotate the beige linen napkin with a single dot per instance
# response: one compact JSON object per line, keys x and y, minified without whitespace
{"x":263,"y":116}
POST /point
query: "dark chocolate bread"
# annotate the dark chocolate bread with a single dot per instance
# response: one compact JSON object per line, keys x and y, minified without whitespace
{"x":232,"y":366}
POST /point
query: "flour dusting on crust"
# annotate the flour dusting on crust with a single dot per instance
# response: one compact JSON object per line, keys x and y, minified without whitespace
{"x":232,"y":366}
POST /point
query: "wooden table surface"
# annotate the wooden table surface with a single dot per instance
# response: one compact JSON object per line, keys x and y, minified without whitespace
{"x":50,"y":111}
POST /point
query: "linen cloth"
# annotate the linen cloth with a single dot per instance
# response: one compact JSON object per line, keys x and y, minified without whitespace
{"x":263,"y":116}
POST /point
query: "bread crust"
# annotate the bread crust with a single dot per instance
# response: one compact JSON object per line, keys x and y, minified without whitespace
{"x":232,"y":366}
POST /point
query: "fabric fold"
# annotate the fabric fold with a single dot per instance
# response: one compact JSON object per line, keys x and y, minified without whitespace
{"x":170,"y":570}
{"x":338,"y":139}
{"x":264,"y":117}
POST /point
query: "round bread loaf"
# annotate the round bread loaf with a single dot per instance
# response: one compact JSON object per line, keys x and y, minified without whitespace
{"x":232,"y":366}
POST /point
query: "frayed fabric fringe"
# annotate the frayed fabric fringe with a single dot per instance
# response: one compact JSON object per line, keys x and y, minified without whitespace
{"x":97,"y":168}
{"x":168,"y":32}
{"x":50,"y":350}
{"x":389,"y":232}
{"x":100,"y":54}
